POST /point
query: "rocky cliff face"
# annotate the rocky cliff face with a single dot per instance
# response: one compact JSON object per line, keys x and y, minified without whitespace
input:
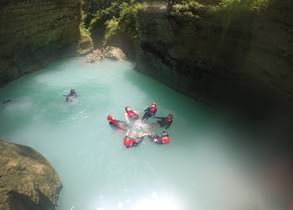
{"x":32,"y":33}
{"x":222,"y":55}
{"x":27,"y":180}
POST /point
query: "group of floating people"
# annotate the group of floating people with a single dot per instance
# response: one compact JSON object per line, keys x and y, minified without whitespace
{"x":137,"y":127}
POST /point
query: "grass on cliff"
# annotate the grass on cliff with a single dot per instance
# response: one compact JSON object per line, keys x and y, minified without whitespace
{"x":196,"y":8}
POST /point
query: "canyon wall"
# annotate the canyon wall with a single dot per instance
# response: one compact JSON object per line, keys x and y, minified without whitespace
{"x":34,"y":32}
{"x":237,"y":56}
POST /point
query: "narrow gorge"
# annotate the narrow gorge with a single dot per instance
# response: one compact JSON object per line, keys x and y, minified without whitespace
{"x":222,"y":68}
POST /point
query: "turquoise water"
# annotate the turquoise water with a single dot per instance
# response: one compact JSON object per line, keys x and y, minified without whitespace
{"x":198,"y":170}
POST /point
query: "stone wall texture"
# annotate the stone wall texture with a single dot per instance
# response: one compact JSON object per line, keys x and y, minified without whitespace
{"x":27,"y":179}
{"x":34,"y":32}
{"x":227,"y":56}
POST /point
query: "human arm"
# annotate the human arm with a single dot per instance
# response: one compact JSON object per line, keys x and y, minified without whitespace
{"x":126,"y":117}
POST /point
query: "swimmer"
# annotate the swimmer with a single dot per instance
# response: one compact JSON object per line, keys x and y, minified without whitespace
{"x":130,"y":114}
{"x":164,"y":139}
{"x":165,"y":121}
{"x":117,"y":123}
{"x":133,"y":138}
{"x":150,"y":111}
{"x":72,"y":94}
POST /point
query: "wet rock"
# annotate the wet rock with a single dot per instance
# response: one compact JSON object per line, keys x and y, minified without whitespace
{"x":114,"y":53}
{"x":27,"y":180}
{"x":95,"y":56}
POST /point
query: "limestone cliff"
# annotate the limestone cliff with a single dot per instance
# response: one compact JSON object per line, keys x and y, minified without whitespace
{"x":32,"y":33}
{"x":27,"y":180}
{"x":220,"y":54}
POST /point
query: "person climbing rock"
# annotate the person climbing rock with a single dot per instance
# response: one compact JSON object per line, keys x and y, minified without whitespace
{"x":164,"y":139}
{"x":150,"y":111}
{"x":72,"y":94}
{"x":116,"y":123}
{"x":130,"y":114}
{"x":165,"y":121}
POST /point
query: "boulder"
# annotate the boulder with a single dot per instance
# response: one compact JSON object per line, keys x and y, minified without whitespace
{"x":95,"y":56}
{"x":114,"y":53}
{"x":27,"y":180}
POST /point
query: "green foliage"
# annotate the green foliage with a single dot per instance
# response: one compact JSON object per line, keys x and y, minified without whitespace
{"x":127,"y":16}
{"x":194,"y":8}
{"x":104,"y":14}
{"x":84,"y":33}
{"x":249,"y":5}
{"x":188,"y":8}
{"x":124,"y":21}
{"x":259,"y":4}
{"x":112,"y":28}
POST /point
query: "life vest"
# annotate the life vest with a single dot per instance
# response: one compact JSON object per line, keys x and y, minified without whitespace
{"x":165,"y":139}
{"x":131,"y":114}
{"x":114,"y":122}
{"x":128,"y":142}
{"x":153,"y":109}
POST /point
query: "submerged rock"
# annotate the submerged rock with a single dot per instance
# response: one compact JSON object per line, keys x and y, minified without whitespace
{"x":27,"y":180}
{"x":114,"y":53}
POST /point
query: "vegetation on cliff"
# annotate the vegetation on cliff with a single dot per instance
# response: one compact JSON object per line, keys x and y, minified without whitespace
{"x":114,"y":18}
{"x":196,"y":8}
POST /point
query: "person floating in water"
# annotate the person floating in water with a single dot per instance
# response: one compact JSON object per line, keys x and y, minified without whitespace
{"x":6,"y":101}
{"x":165,"y":121}
{"x":117,"y":123}
{"x":72,"y":94}
{"x":164,"y":139}
{"x":132,"y":138}
{"x":130,"y":114}
{"x":150,"y":111}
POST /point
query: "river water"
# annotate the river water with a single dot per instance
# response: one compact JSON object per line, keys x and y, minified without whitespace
{"x":199,"y":169}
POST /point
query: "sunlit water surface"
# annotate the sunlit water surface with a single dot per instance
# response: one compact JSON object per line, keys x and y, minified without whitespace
{"x":196,"y":171}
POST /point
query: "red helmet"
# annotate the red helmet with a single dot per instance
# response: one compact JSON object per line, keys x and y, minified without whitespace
{"x":110,"y":117}
{"x":127,"y":141}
